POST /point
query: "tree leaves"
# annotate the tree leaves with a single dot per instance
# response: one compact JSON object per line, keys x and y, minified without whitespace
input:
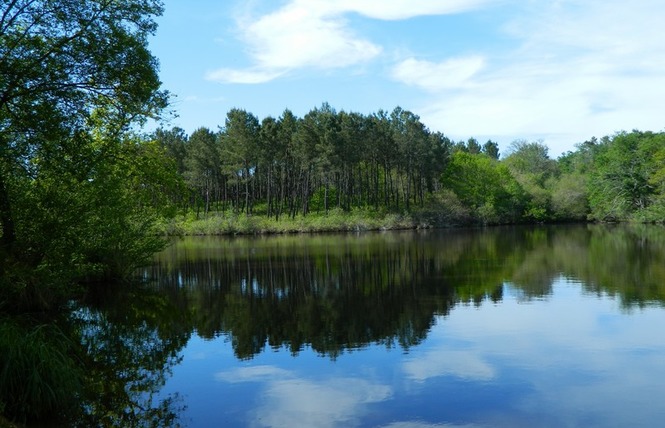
{"x":77,"y":189}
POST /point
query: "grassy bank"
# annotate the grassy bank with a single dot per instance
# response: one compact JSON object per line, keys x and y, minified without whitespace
{"x":228,"y":223}
{"x":40,"y":378}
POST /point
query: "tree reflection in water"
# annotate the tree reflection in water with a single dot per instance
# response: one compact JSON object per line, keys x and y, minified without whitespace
{"x":330,"y":293}
{"x":334,"y":293}
{"x":342,"y":292}
{"x":130,"y":341}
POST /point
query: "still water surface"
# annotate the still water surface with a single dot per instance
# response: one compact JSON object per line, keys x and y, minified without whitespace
{"x":503,"y":327}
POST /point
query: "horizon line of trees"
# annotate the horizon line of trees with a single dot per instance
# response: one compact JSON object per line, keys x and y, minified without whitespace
{"x":390,"y":161}
{"x":294,"y":165}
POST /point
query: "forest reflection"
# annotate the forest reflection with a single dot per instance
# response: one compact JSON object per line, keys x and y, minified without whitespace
{"x":130,"y":339}
{"x":342,"y":292}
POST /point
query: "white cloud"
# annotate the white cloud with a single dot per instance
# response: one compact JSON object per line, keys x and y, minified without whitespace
{"x":291,"y":400}
{"x":301,"y":35}
{"x":454,"y":73}
{"x":336,"y":402}
{"x":242,"y":76}
{"x":315,"y":34}
{"x":579,"y":70}
{"x":442,"y":362}
{"x":252,"y":374}
{"x":403,"y":9}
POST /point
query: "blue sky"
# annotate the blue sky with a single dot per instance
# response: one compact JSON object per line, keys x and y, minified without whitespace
{"x":560,"y":71}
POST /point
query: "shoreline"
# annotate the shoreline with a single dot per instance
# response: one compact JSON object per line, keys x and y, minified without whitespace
{"x":233,"y":224}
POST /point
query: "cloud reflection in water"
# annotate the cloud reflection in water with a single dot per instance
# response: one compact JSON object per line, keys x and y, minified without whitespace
{"x":290,"y":401}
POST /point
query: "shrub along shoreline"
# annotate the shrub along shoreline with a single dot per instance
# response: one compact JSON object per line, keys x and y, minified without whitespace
{"x":243,"y":224}
{"x":224,"y":224}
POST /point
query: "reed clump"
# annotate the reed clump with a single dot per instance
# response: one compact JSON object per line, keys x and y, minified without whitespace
{"x":39,"y":378}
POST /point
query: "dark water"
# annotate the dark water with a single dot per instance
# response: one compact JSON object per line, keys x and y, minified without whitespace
{"x":504,"y":327}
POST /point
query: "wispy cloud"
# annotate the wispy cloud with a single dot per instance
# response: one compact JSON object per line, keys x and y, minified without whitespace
{"x":243,"y":76}
{"x":330,"y":403}
{"x":291,"y":400}
{"x":414,"y":424}
{"x":316,"y":34}
{"x":443,"y":362}
{"x":455,"y":73}
{"x":252,"y":374}
{"x":576,"y":70}
{"x":399,"y":9}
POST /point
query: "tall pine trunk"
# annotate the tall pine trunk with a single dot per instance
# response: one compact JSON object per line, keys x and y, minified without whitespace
{"x":8,"y":238}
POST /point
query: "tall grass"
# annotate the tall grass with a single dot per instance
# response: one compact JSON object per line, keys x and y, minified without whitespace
{"x":228,"y":223}
{"x":39,"y":379}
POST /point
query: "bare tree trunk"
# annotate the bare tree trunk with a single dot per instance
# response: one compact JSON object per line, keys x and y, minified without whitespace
{"x":8,"y":238}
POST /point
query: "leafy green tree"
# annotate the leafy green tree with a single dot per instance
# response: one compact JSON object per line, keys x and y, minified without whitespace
{"x":484,"y":185}
{"x":287,"y":126}
{"x":240,"y":149}
{"x":411,"y":138}
{"x":385,"y":152}
{"x":440,"y":152}
{"x":203,"y":165}
{"x":581,"y":160}
{"x":74,"y":78}
{"x":175,"y":142}
{"x":491,"y":149}
{"x":569,"y":198}
{"x":357,"y":164}
{"x":624,"y":180}
{"x":269,"y":154}
{"x":531,"y":165}
{"x":656,"y":210}
{"x":569,"y":191}
{"x":325,"y":146}
{"x":532,"y":160}
{"x":473,"y":146}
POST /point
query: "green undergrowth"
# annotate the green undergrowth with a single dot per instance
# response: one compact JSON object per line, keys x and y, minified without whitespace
{"x":228,"y":223}
{"x":39,"y":379}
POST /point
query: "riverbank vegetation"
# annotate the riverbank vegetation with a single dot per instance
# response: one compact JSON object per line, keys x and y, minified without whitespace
{"x":335,"y":170}
{"x":80,"y":192}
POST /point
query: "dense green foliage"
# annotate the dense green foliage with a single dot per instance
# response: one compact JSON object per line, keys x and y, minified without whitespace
{"x":31,"y":360}
{"x":296,"y":166}
{"x":391,"y":163}
{"x":628,"y":178}
{"x":79,"y":191}
{"x":101,"y":365}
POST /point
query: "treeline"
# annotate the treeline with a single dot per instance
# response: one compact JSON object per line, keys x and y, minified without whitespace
{"x":290,"y":165}
{"x":391,"y":162}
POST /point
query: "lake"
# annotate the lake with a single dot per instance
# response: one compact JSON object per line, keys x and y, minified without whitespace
{"x":499,"y":327}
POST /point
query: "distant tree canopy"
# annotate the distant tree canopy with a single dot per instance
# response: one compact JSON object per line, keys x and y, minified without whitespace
{"x":327,"y":159}
{"x":389,"y":161}
{"x":628,"y":177}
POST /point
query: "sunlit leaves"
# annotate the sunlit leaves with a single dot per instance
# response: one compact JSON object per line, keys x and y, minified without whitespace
{"x":485,"y":185}
{"x":75,"y":77}
{"x":625,"y":179}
